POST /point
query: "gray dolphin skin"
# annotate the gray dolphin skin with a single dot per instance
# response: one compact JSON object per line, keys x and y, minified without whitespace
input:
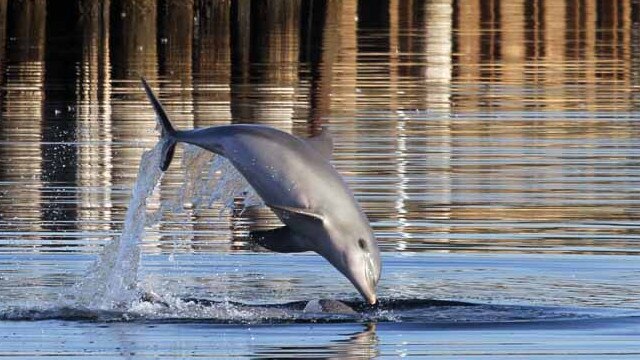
{"x":295,"y":179}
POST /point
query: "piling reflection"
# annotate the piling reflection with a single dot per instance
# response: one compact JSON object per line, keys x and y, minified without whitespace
{"x":22,"y":115}
{"x":93,"y":117}
{"x":504,"y":124}
{"x":212,"y":64}
{"x":59,"y":147}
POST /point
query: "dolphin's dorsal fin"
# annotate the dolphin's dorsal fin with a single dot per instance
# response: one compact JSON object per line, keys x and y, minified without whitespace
{"x":285,"y":212}
{"x":322,"y":142}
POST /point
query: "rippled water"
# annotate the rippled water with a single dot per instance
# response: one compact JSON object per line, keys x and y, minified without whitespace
{"x":494,"y":146}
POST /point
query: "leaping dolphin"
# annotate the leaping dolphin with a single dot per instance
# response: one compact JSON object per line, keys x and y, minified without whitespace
{"x":295,"y":179}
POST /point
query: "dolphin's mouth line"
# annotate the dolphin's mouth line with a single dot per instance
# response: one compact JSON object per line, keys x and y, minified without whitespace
{"x":370,"y":279}
{"x":369,"y":271}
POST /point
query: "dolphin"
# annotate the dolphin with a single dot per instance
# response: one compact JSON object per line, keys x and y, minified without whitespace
{"x":295,"y":179}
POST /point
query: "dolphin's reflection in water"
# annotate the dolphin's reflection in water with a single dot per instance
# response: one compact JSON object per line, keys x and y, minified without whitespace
{"x":354,"y":345}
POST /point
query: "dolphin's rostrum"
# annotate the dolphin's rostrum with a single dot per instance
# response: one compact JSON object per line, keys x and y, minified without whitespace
{"x":295,"y":179}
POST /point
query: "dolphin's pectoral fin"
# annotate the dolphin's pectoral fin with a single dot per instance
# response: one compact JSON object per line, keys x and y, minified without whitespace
{"x":323,"y":143}
{"x":301,"y":215}
{"x":282,"y":240}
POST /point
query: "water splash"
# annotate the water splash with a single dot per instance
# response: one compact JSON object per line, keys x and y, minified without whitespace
{"x":112,"y":282}
{"x":222,"y":182}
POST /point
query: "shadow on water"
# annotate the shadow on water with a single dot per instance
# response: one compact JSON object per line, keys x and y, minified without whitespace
{"x":410,"y":313}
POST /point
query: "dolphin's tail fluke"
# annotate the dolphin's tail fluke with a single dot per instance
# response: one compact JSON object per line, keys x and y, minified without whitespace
{"x":168,"y":132}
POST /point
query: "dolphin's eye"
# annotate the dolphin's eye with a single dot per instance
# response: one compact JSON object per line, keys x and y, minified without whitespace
{"x":362,"y":244}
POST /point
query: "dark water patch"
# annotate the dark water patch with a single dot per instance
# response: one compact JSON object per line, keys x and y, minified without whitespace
{"x":62,"y":313}
{"x":585,"y":323}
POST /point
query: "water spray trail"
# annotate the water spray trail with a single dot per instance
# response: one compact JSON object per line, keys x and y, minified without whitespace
{"x":112,"y":282}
